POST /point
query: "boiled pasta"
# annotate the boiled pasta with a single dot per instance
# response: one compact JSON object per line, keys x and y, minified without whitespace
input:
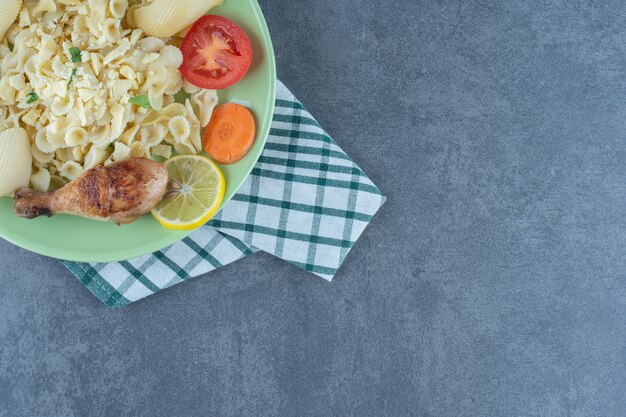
{"x":129,"y":135}
{"x":120,"y":151}
{"x":65,"y":155}
{"x":78,"y":153}
{"x":45,"y":6}
{"x":71,"y":72}
{"x":194,"y":137}
{"x":111,"y":29}
{"x":42,"y":142}
{"x":95,"y":157}
{"x":164,"y":18}
{"x":179,"y":128}
{"x":152,"y":135}
{"x":118,"y":8}
{"x":137,"y":150}
{"x":71,"y":170}
{"x":40,"y":179}
{"x":76,"y":136}
{"x":184,"y":149}
{"x":42,"y":157}
{"x":163,"y":151}
{"x":173,"y":110}
{"x":203,"y":103}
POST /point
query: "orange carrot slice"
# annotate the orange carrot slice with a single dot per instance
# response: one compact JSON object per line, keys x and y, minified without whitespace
{"x":230,"y":134}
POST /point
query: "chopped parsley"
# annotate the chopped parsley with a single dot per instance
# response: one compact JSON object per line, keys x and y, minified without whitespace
{"x":32,"y":97}
{"x":75,"y":52}
{"x":72,"y":77}
{"x":141,"y":101}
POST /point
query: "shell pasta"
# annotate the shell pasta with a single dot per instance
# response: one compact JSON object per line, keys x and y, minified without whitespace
{"x":166,"y":18}
{"x":90,"y":85}
{"x":9,"y":10}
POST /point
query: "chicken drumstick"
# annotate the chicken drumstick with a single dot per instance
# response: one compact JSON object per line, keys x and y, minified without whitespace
{"x":121,"y":192}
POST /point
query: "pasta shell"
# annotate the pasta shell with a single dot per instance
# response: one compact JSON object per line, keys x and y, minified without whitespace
{"x":9,"y":9}
{"x":15,"y":160}
{"x":164,"y":18}
{"x":40,"y":180}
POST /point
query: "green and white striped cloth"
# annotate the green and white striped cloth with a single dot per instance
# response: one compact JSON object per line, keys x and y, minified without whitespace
{"x":305,"y":201}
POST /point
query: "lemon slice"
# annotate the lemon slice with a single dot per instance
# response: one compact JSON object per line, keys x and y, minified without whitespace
{"x":195,"y":192}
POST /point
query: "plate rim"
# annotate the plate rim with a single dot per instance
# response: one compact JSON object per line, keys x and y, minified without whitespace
{"x":168,"y":240}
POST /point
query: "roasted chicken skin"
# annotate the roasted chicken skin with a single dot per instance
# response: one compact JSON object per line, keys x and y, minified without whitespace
{"x":121,"y":192}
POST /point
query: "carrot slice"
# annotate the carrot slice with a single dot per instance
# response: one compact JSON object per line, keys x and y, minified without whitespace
{"x":230,"y":134}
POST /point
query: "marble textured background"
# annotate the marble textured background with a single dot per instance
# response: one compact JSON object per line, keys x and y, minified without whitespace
{"x":492,"y":283}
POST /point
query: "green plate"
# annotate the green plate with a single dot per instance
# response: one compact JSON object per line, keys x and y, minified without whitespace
{"x":77,"y":239}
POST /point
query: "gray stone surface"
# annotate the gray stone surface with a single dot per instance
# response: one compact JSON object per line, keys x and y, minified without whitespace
{"x":490,"y":284}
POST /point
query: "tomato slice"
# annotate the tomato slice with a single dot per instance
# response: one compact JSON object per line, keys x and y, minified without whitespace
{"x":216,"y":53}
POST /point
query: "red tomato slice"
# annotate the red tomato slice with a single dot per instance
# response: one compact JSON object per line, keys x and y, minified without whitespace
{"x":216,"y":53}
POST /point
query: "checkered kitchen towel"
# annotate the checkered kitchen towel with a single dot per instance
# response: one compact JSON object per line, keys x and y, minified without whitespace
{"x":305,"y":202}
